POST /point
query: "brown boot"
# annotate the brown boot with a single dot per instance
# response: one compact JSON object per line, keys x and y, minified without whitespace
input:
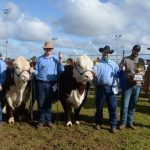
{"x":39,"y":126}
{"x":113,"y":130}
{"x":50,"y":125}
{"x":98,"y":127}
{"x":132,"y":127}
{"x":122,"y":126}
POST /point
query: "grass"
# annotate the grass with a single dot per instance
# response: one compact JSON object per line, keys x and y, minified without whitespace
{"x":24,"y":135}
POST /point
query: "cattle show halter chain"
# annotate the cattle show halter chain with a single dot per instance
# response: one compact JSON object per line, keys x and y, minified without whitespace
{"x":81,"y":73}
{"x":20,"y":72}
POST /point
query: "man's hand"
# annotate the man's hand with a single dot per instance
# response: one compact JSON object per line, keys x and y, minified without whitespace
{"x":0,"y":88}
{"x":60,"y":56}
{"x":123,"y":67}
{"x":31,"y":70}
{"x":94,"y":74}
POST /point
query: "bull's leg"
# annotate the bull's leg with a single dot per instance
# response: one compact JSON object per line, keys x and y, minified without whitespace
{"x":77,"y":111}
{"x":64,"y":104}
{"x":4,"y":105}
{"x":76,"y":115}
{"x":68,"y":114}
{"x":10,"y":110}
{"x":11,"y":115}
{"x":21,"y":113}
{"x":67,"y":109}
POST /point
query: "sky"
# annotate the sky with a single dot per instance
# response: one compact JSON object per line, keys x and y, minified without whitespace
{"x":79,"y":26}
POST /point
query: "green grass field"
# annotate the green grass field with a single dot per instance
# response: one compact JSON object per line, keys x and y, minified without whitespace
{"x":25,"y":136}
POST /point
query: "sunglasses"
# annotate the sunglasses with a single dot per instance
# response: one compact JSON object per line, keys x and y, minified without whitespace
{"x":48,"y":49}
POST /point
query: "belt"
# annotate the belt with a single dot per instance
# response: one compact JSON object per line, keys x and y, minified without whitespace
{"x":103,"y":85}
{"x":48,"y":82}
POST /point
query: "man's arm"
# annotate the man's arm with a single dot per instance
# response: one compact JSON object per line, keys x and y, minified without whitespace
{"x":2,"y":74}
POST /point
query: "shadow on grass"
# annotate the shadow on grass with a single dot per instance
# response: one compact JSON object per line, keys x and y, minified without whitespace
{"x":90,"y":103}
{"x":60,"y":119}
{"x":142,"y":125}
{"x":144,"y":109}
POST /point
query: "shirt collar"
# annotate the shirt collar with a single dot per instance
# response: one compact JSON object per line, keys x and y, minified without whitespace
{"x":105,"y":61}
{"x":48,"y":57}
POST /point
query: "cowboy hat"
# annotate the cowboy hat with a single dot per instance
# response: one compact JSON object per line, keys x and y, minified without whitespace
{"x":136,"y":48}
{"x":106,"y":48}
{"x":48,"y":45}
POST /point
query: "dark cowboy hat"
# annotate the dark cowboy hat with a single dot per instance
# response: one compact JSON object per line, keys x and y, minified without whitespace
{"x":136,"y":48}
{"x":106,"y":48}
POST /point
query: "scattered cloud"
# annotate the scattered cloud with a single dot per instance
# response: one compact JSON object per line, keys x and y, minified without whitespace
{"x":82,"y":27}
{"x":23,"y":27}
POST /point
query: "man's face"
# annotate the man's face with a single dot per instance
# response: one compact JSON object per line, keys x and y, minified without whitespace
{"x":135,"y":53}
{"x":105,"y":55}
{"x":48,"y":51}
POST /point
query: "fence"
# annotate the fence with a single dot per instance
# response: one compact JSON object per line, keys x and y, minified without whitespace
{"x":116,"y":58}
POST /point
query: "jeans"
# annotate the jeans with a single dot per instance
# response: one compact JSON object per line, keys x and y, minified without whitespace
{"x":0,"y":109}
{"x":105,"y":93}
{"x":128,"y":102}
{"x":44,"y":98}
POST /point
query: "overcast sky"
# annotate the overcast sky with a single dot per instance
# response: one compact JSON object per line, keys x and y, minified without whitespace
{"x":81,"y":26}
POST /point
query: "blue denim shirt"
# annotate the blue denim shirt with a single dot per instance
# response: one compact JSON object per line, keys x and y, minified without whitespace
{"x":2,"y":72}
{"x":106,"y":72}
{"x":48,"y":68}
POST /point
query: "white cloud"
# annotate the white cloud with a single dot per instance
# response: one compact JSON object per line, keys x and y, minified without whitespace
{"x":102,"y":21}
{"x":91,"y":18}
{"x":32,"y":29}
{"x":22,"y":26}
{"x":81,"y":27}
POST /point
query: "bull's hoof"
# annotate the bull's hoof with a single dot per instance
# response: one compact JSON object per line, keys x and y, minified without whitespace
{"x":69,"y":124}
{"x":11,"y":120}
{"x":77,"y":123}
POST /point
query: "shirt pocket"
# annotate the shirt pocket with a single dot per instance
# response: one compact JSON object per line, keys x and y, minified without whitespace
{"x":42,"y":65}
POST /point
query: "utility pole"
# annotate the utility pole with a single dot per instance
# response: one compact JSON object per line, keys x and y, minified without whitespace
{"x":7,"y":11}
{"x":54,"y":39}
{"x":118,"y":36}
{"x":123,"y":51}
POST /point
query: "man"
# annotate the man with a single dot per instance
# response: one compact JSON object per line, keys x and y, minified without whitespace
{"x":46,"y":72}
{"x":2,"y":80}
{"x":70,"y":62}
{"x":133,"y":67}
{"x":106,"y":73}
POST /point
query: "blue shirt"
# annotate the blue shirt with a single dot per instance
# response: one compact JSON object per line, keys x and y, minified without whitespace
{"x":48,"y":68}
{"x":2,"y":72}
{"x":106,"y":72}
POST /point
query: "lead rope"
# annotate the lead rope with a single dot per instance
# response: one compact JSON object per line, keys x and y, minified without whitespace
{"x":32,"y":97}
{"x":57,"y":101}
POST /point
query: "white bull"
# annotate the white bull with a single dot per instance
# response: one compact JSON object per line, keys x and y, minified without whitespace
{"x":74,"y":86}
{"x":15,"y":91}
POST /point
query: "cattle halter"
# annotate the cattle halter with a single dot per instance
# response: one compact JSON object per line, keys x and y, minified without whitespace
{"x":81,"y":73}
{"x":20,"y":73}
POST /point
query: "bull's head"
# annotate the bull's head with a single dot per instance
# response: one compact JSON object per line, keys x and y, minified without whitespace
{"x":21,"y":68}
{"x":82,"y":71}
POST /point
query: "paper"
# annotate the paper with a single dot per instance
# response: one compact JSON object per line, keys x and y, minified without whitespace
{"x":54,"y":87}
{"x":138,"y":77}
